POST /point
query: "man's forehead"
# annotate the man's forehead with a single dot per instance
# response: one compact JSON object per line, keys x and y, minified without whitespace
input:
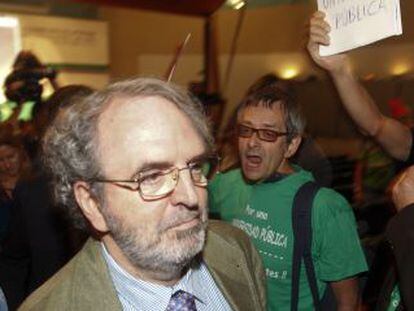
{"x":263,"y":114}
{"x":140,"y":112}
{"x":145,"y":129}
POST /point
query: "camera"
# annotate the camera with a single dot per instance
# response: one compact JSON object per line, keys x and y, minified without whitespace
{"x":23,"y":85}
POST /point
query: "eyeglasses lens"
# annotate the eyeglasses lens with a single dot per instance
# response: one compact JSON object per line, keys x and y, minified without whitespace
{"x":167,"y":181}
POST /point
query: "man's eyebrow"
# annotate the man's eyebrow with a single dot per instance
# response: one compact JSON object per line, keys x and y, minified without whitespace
{"x":162,"y":165}
{"x":146,"y":166}
{"x":271,"y":125}
{"x":264,"y":125}
{"x":200,"y":157}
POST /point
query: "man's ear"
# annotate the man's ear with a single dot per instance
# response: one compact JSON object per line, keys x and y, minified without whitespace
{"x":89,"y":206}
{"x":293,"y":146}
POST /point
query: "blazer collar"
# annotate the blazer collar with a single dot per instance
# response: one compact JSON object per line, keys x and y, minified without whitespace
{"x":228,"y":269}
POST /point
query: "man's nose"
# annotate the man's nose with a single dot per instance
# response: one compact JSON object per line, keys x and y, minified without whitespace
{"x":185,"y":192}
{"x":254,"y":140}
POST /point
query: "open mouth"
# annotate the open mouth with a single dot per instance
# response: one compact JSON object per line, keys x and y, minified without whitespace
{"x":253,"y":161}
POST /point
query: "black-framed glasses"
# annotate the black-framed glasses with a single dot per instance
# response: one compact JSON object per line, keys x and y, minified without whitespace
{"x":264,"y":134}
{"x":155,"y":184}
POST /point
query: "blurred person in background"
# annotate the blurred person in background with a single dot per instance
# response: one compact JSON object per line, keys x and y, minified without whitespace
{"x":23,"y":88}
{"x":400,"y":234}
{"x":13,"y":164}
{"x":40,"y":239}
{"x":376,"y":168}
{"x":396,"y":138}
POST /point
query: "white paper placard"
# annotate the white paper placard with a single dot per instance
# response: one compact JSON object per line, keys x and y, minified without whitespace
{"x":356,"y":23}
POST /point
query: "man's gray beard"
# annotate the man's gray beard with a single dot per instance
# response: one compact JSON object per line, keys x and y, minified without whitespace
{"x":149,"y":256}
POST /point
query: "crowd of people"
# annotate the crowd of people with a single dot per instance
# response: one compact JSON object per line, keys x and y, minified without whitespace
{"x":36,"y":239}
{"x":106,"y":198}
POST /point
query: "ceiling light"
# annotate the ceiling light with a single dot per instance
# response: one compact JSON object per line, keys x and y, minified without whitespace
{"x":235,"y":4}
{"x":239,"y":5}
{"x":400,"y":69}
{"x":289,"y":72}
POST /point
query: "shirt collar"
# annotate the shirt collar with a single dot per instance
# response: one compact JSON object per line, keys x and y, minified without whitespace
{"x":275,"y":177}
{"x":280,"y":176}
{"x":144,"y":295}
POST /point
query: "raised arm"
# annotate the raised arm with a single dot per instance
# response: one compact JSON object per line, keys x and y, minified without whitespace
{"x":392,"y":135}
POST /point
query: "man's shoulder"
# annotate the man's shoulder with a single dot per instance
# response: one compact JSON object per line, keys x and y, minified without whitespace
{"x":53,"y":291}
{"x":82,"y":283}
{"x":223,"y":233}
{"x":235,"y":265}
{"x":331,"y":199}
{"x":229,"y":177}
{"x":292,"y":180}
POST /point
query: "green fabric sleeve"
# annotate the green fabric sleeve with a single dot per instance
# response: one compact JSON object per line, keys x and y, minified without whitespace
{"x":336,"y":241}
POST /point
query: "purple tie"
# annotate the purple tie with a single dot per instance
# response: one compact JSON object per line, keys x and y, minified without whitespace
{"x":181,"y":301}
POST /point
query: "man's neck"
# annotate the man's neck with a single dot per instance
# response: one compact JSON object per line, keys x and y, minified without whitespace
{"x":280,"y":174}
{"x":166,"y":278}
{"x":286,"y":168}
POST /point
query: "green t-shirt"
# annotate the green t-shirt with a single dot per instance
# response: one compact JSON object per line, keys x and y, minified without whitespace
{"x":378,"y":168}
{"x":264,"y":212}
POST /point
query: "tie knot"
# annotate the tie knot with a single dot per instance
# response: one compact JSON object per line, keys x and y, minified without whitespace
{"x":181,"y":301}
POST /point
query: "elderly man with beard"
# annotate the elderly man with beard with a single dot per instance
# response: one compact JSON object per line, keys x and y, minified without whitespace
{"x":259,"y":196}
{"x":129,"y":162}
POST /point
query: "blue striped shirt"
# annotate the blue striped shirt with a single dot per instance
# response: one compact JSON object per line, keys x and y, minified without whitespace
{"x":138,"y":295}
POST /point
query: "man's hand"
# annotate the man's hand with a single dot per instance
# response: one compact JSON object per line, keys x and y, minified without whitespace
{"x":403,"y":189}
{"x":319,"y":35}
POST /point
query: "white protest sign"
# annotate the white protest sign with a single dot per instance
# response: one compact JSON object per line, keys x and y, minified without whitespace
{"x":356,"y":23}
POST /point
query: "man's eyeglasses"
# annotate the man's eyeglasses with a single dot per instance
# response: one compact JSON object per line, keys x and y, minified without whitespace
{"x":157,"y":183}
{"x":268,"y":135}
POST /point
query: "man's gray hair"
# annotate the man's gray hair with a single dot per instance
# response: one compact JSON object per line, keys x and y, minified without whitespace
{"x":70,"y":145}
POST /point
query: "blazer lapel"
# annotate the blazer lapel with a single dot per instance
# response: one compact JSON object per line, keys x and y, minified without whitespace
{"x":93,"y":285}
{"x":230,"y":271}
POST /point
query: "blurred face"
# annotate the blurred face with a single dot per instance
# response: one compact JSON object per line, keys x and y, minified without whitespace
{"x":260,"y":158}
{"x":9,"y":161}
{"x":145,"y":135}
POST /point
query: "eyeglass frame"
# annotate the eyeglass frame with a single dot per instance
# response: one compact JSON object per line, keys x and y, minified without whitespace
{"x":259,"y":132}
{"x":212,"y":159}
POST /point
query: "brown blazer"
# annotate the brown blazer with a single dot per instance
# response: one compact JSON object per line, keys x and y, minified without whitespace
{"x":85,"y":284}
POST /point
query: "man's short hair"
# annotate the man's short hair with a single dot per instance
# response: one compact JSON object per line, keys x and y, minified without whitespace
{"x":70,"y":145}
{"x":271,"y":95}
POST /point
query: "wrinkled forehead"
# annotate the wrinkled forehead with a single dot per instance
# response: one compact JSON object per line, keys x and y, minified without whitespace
{"x":136,"y":130}
{"x":262,"y":113}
